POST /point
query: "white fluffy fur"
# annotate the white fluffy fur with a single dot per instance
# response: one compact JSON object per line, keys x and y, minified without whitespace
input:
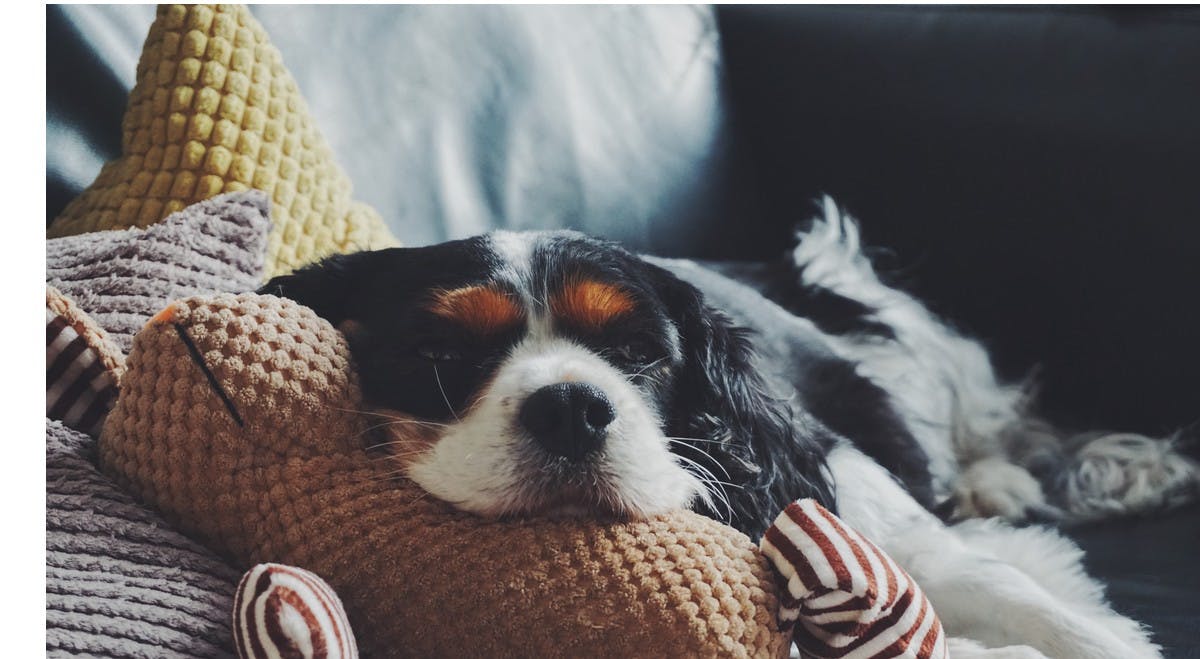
{"x":942,"y":384}
{"x":966,"y":420}
{"x":1010,"y":591}
{"x":991,"y":583}
{"x":995,"y":487}
{"x":1118,"y":472}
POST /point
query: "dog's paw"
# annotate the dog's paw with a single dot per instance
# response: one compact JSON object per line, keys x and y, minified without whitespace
{"x":994,"y":487}
{"x":1123,"y":473}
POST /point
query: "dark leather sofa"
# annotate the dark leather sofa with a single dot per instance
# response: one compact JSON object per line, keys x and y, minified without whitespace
{"x":1031,"y":172}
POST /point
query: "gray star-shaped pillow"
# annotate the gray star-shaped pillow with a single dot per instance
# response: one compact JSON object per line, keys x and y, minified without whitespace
{"x":122,"y":278}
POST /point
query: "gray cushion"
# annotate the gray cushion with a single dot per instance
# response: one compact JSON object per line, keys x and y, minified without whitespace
{"x":122,"y":278}
{"x":119,"y":581}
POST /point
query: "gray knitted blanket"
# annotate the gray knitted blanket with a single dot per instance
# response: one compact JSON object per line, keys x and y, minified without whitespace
{"x":119,"y":581}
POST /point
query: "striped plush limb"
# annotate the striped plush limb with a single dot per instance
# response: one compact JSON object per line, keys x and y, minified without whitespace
{"x":284,"y":611}
{"x":83,"y":366}
{"x":847,"y":596}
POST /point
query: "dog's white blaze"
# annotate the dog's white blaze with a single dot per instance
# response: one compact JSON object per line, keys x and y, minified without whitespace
{"x":482,"y":463}
{"x":515,"y":252}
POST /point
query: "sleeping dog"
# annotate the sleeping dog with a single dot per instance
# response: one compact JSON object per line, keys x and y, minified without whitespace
{"x":555,"y":374}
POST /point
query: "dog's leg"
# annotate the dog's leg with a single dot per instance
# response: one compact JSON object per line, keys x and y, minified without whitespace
{"x":989,"y":584}
{"x":1056,"y":564}
{"x":940,"y":384}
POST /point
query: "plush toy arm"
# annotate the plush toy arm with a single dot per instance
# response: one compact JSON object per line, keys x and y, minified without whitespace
{"x":283,"y":611}
{"x":847,"y":598}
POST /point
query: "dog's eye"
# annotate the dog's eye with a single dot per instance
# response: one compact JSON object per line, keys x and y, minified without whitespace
{"x":438,"y":353}
{"x":636,"y":352}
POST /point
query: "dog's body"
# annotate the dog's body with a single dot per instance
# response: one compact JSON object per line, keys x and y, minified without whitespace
{"x":556,"y":374}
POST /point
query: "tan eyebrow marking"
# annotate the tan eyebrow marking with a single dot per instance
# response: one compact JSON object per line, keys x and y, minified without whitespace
{"x":482,"y":309}
{"x":590,"y":304}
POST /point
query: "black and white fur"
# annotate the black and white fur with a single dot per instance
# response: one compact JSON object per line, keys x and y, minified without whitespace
{"x":847,"y":391}
{"x":986,"y":451}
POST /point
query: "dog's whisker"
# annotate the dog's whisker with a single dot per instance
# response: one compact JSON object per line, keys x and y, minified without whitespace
{"x":399,"y":443}
{"x":419,"y":497}
{"x":647,"y":376}
{"x":402,"y":422}
{"x":697,"y":439}
{"x":708,"y":473}
{"x":710,"y":482}
{"x":710,"y":457}
{"x":386,"y":415}
{"x":642,"y":372}
{"x":442,"y":389}
{"x":353,"y":410}
{"x":388,"y":475}
{"x":405,"y":419}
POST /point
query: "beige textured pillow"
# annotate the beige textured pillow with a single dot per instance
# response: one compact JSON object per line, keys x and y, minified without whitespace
{"x":237,"y":421}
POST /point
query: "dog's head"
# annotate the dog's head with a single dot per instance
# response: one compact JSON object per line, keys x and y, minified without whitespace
{"x":551,"y":373}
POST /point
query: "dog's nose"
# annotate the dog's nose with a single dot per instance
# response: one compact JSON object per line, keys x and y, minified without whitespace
{"x":568,"y":418}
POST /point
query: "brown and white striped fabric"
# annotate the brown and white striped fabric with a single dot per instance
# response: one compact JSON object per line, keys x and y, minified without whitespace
{"x":284,"y":612}
{"x":82,"y":366}
{"x":847,"y":598}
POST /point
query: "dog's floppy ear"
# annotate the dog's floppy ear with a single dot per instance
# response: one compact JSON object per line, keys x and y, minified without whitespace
{"x":327,"y":287}
{"x":722,"y":402}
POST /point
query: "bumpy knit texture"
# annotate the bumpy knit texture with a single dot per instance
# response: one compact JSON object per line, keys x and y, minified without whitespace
{"x":214,"y":110}
{"x":119,"y":581}
{"x":121,"y":278}
{"x":248,"y":441}
{"x":83,"y":366}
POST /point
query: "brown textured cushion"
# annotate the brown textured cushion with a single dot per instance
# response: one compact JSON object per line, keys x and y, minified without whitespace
{"x":265,"y":462}
{"x":121,"y":278}
{"x":214,"y":110}
{"x":119,"y":581}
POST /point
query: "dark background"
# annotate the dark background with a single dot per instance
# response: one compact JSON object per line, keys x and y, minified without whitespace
{"x":1033,"y":173}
